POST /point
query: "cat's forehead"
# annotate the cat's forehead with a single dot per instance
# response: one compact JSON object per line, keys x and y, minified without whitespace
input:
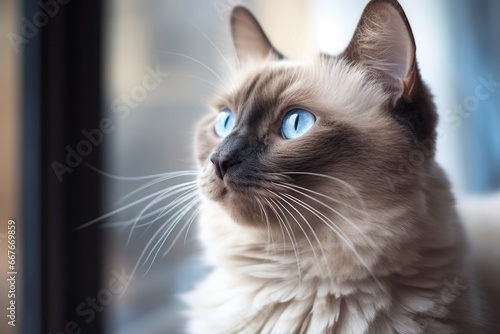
{"x":265,"y":83}
{"x":321,"y":83}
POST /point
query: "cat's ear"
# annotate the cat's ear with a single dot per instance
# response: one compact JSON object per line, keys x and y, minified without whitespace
{"x":384,"y":43}
{"x":249,"y":39}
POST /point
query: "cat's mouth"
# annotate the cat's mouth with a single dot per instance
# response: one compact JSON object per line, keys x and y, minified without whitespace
{"x":272,"y":198}
{"x":233,"y":188}
{"x":244,"y":200}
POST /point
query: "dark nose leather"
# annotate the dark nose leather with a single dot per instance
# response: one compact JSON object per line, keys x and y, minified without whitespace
{"x":222,"y":163}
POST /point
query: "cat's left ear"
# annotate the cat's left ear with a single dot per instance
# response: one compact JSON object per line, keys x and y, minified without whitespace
{"x":250,"y":41}
{"x":384,"y":43}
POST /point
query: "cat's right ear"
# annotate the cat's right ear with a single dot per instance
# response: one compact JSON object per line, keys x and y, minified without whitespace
{"x":384,"y":43}
{"x":250,"y":41}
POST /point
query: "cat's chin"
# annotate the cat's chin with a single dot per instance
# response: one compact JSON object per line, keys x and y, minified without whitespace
{"x":242,"y":209}
{"x":232,"y":197}
{"x":229,"y":189}
{"x":240,"y":202}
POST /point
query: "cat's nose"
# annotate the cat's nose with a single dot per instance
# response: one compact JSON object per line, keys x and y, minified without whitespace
{"x":222,"y":163}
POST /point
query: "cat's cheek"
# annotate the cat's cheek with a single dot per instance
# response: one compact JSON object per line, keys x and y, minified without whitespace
{"x":209,"y":185}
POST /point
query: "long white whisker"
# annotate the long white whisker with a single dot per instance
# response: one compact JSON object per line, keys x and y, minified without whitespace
{"x":131,"y":221}
{"x":270,"y":238}
{"x":336,"y":230}
{"x":190,"y":222}
{"x":186,"y":226}
{"x":139,"y":178}
{"x":196,"y":61}
{"x":345,"y":184}
{"x":161,"y":197}
{"x":148,"y":215}
{"x":284,"y":219}
{"x":302,"y":229}
{"x":289,"y":235}
{"x":330,"y":208}
{"x":114,"y":212}
{"x":281,"y":226}
{"x":215,"y":46}
{"x":186,"y":191}
{"x":168,"y":227}
{"x":152,"y":183}
{"x":324,"y":196}
{"x":187,"y":195}
{"x":204,"y":80}
{"x":169,"y":231}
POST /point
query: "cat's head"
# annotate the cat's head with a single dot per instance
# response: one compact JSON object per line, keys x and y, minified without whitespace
{"x":357,"y":128}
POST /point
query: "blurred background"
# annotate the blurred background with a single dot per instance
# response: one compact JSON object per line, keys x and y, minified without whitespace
{"x":140,"y":72}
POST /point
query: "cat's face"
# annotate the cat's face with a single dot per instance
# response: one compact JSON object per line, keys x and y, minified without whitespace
{"x":341,"y":126}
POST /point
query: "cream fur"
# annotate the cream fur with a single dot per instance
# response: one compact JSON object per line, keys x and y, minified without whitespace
{"x":256,"y":288}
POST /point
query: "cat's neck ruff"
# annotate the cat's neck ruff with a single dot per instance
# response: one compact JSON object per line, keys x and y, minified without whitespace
{"x":261,"y":283}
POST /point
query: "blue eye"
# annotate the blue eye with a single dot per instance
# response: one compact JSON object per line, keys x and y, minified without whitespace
{"x":296,"y":123}
{"x":224,"y":123}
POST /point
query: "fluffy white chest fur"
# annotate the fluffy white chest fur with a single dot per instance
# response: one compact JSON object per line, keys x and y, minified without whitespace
{"x":260,"y":289}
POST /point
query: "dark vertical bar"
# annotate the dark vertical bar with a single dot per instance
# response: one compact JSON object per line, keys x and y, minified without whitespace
{"x":68,"y":91}
{"x":31,"y":318}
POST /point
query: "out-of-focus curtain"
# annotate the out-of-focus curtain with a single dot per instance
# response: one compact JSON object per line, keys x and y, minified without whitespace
{"x":476,"y":46}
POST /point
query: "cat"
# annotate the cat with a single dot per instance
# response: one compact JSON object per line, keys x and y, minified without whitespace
{"x":324,"y":210}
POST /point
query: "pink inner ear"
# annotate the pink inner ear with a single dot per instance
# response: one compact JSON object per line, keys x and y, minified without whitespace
{"x":384,"y":42}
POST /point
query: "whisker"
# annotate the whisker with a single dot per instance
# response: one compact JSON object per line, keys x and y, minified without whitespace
{"x":138,"y":178}
{"x":324,"y":196}
{"x":159,"y":198}
{"x":336,"y":230}
{"x":204,"y":80}
{"x":196,"y":61}
{"x":125,"y":223}
{"x":165,"y":228}
{"x":114,"y":212}
{"x":185,"y":190}
{"x":319,"y":215}
{"x":281,"y":226}
{"x":332,"y":209}
{"x":345,"y":184}
{"x":152,"y":183}
{"x":270,"y":238}
{"x":295,"y":250}
{"x":190,"y":222}
{"x":187,"y":195}
{"x":145,"y":216}
{"x":125,"y":207}
{"x":186,"y":226}
{"x":168,"y":232}
{"x":215,"y":46}
{"x":302,"y":229}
